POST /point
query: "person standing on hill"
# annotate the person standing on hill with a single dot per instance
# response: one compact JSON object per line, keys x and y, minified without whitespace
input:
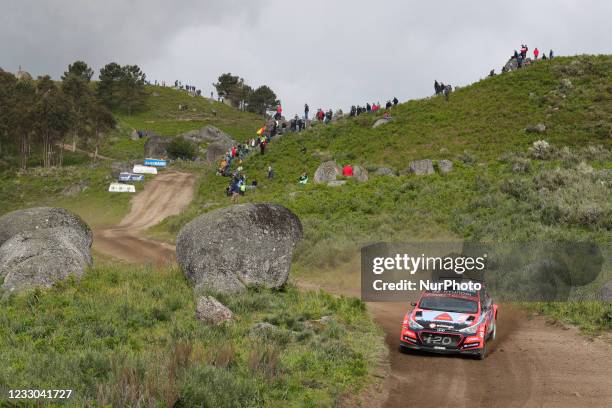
{"x":270,"y":173}
{"x":395,"y":101}
{"x":437,"y":86}
{"x":347,"y":171}
{"x":550,"y":55}
{"x":536,"y":52}
{"x":306,"y":110}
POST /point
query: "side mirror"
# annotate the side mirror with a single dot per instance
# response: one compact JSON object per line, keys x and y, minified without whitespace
{"x":413,"y":303}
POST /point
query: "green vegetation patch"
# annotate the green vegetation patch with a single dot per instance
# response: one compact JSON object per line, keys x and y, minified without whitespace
{"x":122,"y":336}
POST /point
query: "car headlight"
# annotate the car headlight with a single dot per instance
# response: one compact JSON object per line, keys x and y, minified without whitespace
{"x":470,"y":329}
{"x":414,"y":325}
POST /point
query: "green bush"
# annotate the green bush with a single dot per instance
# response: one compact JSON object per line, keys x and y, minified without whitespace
{"x":181,"y":148}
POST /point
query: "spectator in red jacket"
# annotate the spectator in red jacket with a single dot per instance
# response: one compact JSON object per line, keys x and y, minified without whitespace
{"x":347,"y":171}
{"x":536,"y":52}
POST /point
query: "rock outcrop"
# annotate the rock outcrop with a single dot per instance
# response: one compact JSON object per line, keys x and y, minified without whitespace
{"x":327,"y":172}
{"x":421,"y":167}
{"x":156,"y":146}
{"x":445,"y":166}
{"x":231,"y":248}
{"x":380,"y":122}
{"x":385,"y":171}
{"x":360,"y":174}
{"x":211,"y":311}
{"x":209,"y":134}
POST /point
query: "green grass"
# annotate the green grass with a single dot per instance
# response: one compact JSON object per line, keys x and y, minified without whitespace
{"x":164,"y":117}
{"x":124,"y":335}
{"x":45,"y":187}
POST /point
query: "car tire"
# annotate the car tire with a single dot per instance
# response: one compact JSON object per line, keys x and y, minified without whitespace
{"x":483,"y":352}
{"x":494,"y":332}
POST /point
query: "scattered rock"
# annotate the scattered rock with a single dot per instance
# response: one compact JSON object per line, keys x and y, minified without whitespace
{"x":327,"y":172}
{"x":336,"y":183}
{"x":38,"y":218}
{"x":421,"y":167}
{"x":360,"y":174}
{"x":385,"y":171}
{"x":606,"y":292}
{"x":43,"y":257}
{"x":75,"y":189}
{"x":211,"y":311}
{"x":156,"y":146}
{"x":326,"y":320}
{"x":539,"y":128}
{"x":262,"y":328}
{"x":567,"y":83}
{"x":445,"y":166}
{"x":134,"y":135}
{"x":380,"y":122}
{"x":247,"y":244}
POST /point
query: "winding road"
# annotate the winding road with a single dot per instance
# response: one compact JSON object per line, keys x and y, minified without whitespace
{"x":531,"y":364}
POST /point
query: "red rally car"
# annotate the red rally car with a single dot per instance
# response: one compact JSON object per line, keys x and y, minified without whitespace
{"x":462,"y":322}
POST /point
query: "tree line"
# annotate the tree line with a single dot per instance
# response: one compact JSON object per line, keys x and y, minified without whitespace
{"x":37,"y":117}
{"x":242,"y":96}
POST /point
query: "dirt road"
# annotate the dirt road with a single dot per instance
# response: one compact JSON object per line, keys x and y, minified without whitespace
{"x":167,"y":194}
{"x":531,"y":364}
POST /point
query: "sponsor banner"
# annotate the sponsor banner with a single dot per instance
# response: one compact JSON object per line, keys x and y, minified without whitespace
{"x":533,"y":271}
{"x":155,"y":162}
{"x":139,"y":169}
{"x":121,"y":188}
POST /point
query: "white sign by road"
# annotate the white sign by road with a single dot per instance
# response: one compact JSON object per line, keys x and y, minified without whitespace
{"x":140,"y":169}
{"x":121,"y":188}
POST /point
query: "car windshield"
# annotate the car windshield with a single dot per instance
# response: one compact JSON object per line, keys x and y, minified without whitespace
{"x":449,"y":304}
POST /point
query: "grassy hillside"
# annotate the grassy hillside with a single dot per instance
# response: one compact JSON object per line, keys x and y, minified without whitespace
{"x":501,"y":188}
{"x":164,"y":117}
{"x":47,"y":187}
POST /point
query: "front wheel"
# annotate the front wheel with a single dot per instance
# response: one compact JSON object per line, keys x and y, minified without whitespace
{"x":494,"y":332}
{"x":483,"y":352}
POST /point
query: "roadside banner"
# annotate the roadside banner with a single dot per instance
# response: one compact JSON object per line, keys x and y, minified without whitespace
{"x":121,"y":188}
{"x":155,"y":162}
{"x":139,"y":169}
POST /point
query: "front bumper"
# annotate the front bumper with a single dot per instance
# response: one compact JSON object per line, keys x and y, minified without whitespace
{"x":462,"y":344}
{"x":440,"y":350}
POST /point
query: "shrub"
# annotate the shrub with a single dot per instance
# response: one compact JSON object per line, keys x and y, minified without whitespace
{"x":181,"y":148}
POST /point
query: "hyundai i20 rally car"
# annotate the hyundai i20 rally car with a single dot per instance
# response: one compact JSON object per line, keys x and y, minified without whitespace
{"x":462,"y":322}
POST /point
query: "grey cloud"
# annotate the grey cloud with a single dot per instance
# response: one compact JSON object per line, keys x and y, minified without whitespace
{"x":326,"y":53}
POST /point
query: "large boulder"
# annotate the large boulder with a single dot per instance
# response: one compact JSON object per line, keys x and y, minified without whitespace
{"x":216,"y":151}
{"x":360,"y":174}
{"x":43,"y":257}
{"x":539,"y":128}
{"x":327,"y":172}
{"x":209,"y":134}
{"x":211,"y":311}
{"x":606,"y":292}
{"x":156,"y":146}
{"x":421,"y":167}
{"x":248,"y":244}
{"x":38,"y":218}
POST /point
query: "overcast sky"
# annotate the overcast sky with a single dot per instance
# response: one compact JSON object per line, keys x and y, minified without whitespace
{"x":327,"y":53}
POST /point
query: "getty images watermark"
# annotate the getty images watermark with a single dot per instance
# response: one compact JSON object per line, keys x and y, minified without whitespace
{"x":522,"y":272}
